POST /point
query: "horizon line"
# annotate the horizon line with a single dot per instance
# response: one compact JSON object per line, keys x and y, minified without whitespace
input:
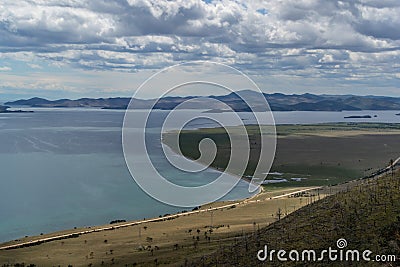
{"x":2,"y":101}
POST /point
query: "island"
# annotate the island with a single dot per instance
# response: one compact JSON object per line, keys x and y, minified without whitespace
{"x":358,"y":117}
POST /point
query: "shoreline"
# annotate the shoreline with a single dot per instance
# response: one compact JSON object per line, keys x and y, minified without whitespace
{"x":104,"y":227}
{"x":232,"y":220}
{"x":107,"y":227}
{"x":208,"y":167}
{"x":73,"y":233}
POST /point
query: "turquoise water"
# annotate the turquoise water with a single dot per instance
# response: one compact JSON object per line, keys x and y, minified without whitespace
{"x":63,"y":168}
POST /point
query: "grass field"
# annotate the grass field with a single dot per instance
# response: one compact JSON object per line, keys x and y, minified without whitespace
{"x":321,"y":154}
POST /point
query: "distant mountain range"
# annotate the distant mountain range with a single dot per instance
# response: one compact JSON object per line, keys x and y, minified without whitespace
{"x":277,"y":102}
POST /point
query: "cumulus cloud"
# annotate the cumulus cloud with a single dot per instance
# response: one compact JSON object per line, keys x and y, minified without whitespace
{"x":34,"y":66}
{"x":318,"y":37}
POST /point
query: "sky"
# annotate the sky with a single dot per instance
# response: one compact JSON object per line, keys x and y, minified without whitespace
{"x":107,"y":48}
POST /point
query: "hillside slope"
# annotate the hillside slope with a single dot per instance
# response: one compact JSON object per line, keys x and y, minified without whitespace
{"x":366,"y":216}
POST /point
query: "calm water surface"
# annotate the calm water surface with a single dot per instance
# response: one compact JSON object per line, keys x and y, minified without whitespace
{"x":61,"y":168}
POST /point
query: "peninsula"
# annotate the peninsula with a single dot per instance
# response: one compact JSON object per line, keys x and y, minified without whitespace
{"x":5,"y":109}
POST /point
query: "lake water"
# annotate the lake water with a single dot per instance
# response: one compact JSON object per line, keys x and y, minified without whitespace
{"x":61,"y":168}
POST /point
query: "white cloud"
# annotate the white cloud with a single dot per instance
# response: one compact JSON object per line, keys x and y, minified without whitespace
{"x":311,"y":38}
{"x":34,"y":66}
{"x":5,"y":68}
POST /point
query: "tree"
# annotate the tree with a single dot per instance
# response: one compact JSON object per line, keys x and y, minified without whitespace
{"x":279,"y":214}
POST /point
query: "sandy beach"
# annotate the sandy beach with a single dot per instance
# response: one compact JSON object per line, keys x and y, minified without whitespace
{"x":144,"y":241}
